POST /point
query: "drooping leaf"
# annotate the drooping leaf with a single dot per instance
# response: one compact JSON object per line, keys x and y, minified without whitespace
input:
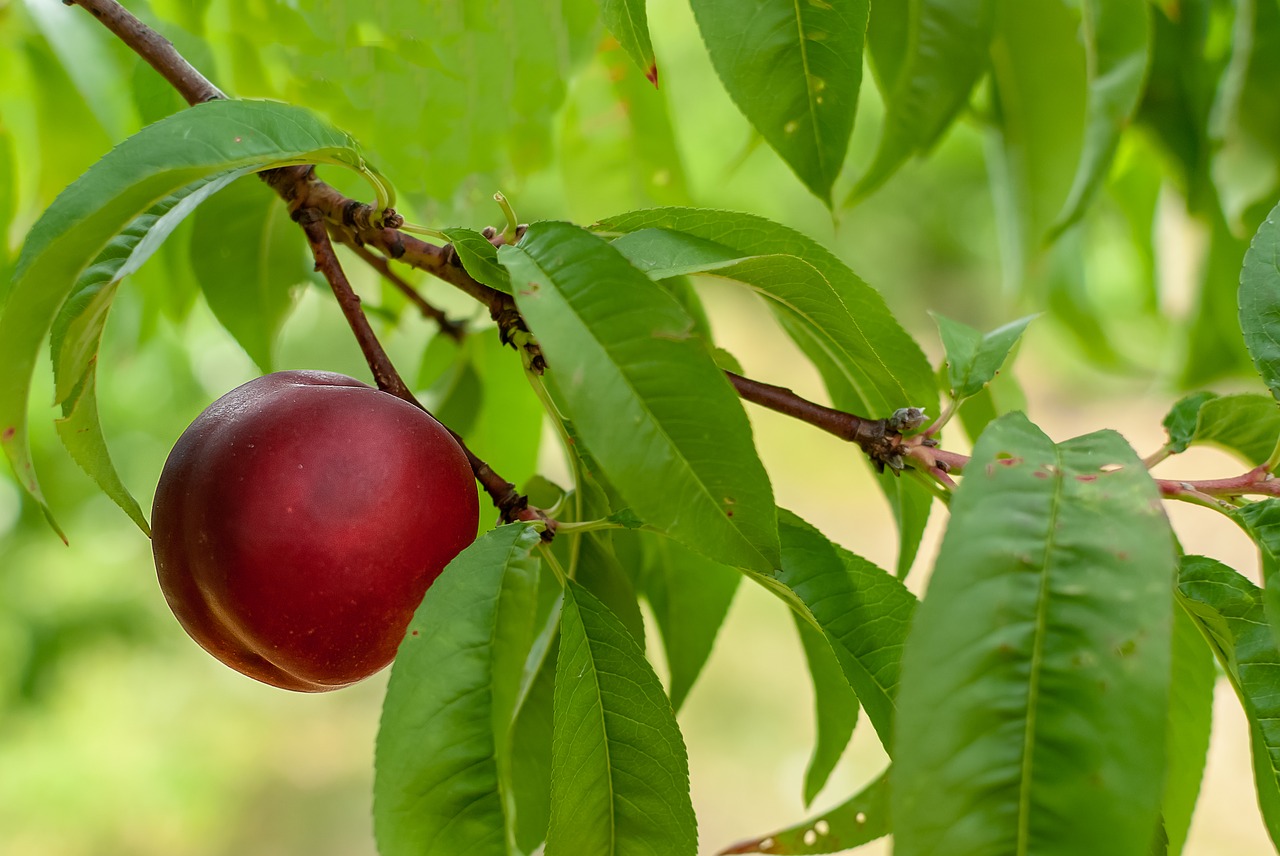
{"x":863,"y":611}
{"x":860,"y":820}
{"x":1117,"y":44}
{"x":974,"y":358}
{"x":690,"y":597}
{"x":928,"y":65}
{"x":629,"y":22}
{"x":1040,"y":657}
{"x":835,"y":708}
{"x":443,"y":758}
{"x":248,"y":257}
{"x":1038,"y":77}
{"x":1260,"y":301}
{"x":1190,"y":715}
{"x":619,"y":774}
{"x":619,"y":347}
{"x":1229,"y":612}
{"x":198,"y":145}
{"x":794,"y":70}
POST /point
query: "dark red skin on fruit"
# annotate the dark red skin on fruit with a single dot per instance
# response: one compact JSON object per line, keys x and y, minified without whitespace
{"x":299,"y":521}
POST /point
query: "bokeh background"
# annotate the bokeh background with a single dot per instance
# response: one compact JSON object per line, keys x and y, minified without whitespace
{"x":118,"y":735}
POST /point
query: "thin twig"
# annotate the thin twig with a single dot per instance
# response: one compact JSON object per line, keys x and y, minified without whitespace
{"x":455,"y":330}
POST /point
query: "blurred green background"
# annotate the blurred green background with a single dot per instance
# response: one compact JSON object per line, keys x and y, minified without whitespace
{"x":118,"y":735}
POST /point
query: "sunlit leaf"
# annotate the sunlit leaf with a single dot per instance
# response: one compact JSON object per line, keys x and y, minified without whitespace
{"x":479,"y":258}
{"x":443,"y":759}
{"x":1050,"y":602}
{"x":794,"y":70}
{"x":619,"y":774}
{"x":645,"y":395}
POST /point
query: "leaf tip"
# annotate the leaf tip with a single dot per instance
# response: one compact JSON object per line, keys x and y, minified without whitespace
{"x":651,"y":74}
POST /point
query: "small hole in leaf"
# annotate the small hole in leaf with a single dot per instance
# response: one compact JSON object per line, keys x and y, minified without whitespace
{"x":810,"y":837}
{"x":821,"y":827}
{"x":861,"y":817}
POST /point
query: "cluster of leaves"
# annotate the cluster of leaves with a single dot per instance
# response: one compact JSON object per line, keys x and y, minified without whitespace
{"x":1061,"y":665}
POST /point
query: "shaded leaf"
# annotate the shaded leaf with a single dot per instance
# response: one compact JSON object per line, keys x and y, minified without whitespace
{"x":645,"y":395}
{"x":1229,"y":612}
{"x":619,"y":774}
{"x":863,"y":611}
{"x":443,"y":759}
{"x":860,"y":820}
{"x":1260,"y":301}
{"x":1050,"y":600}
{"x":1190,"y":717}
{"x":1261,"y":521}
{"x":928,"y":66}
{"x":1246,"y":425}
{"x":794,"y":70}
{"x":834,"y":704}
{"x":248,"y":257}
{"x":1117,"y":44}
{"x":479,"y":258}
{"x":1181,"y":420}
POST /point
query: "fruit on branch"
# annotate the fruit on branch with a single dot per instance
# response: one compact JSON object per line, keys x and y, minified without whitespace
{"x":299,"y":521}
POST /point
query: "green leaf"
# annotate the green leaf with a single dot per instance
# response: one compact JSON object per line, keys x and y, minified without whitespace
{"x":1229,"y":612}
{"x":860,"y":820}
{"x":531,"y":735}
{"x":629,"y":23}
{"x":974,"y":358}
{"x":202,"y":144}
{"x":479,"y":258}
{"x":882,"y":368}
{"x":1216,"y":347}
{"x":1190,"y":717}
{"x":443,"y":759}
{"x":619,"y":771}
{"x":645,"y":395}
{"x":1181,"y":421}
{"x":599,"y":572}
{"x":248,"y":257}
{"x":1039,"y":92}
{"x":929,"y":63}
{"x":863,"y":611}
{"x":794,"y":70}
{"x":1117,"y":44}
{"x":1260,"y":301}
{"x":1040,"y":657}
{"x":1246,"y":425}
{"x":834,"y":704}
{"x":1261,"y":521}
{"x":690,"y":597}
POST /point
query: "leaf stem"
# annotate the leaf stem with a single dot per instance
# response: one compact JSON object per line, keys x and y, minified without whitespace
{"x":509,"y":234}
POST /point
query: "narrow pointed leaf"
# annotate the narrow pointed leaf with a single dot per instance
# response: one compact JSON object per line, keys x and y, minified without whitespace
{"x":248,"y":257}
{"x":690,"y":597}
{"x":794,"y":70}
{"x":860,"y":820}
{"x":1190,"y":717}
{"x":629,"y":23}
{"x":1117,"y":43}
{"x":619,"y":771}
{"x":645,"y":395}
{"x":198,"y":145}
{"x":443,"y":760}
{"x":974,"y":358}
{"x":1260,"y":301}
{"x":942,"y":53}
{"x":835,"y":708}
{"x":1229,"y":612}
{"x":1035,"y":683}
{"x":862,"y":610}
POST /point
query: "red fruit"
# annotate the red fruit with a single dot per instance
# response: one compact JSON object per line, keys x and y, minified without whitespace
{"x":299,"y":521}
